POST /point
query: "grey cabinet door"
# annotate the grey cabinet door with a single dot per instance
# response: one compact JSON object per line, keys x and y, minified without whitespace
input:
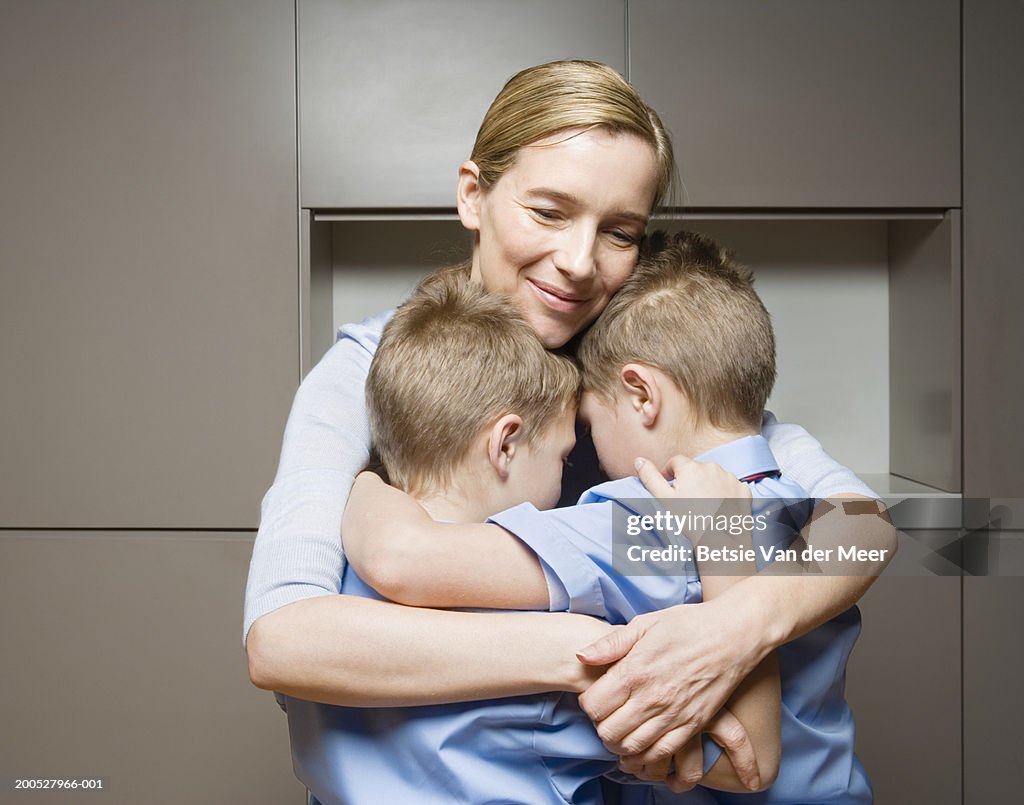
{"x":903,"y":684}
{"x":392,"y":94}
{"x":993,"y":664}
{"x":805,"y":103}
{"x":124,"y":662}
{"x":149,"y":253}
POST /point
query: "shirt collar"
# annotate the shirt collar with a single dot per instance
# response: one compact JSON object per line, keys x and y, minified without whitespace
{"x":748,"y":455}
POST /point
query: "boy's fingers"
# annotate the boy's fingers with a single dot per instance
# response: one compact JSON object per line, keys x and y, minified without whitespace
{"x":677,"y":465}
{"x":728,"y":732}
{"x":651,"y":478}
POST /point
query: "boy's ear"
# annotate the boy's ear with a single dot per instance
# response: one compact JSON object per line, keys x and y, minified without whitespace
{"x":505,"y":436}
{"x":642,"y":391}
{"x":468,"y":195}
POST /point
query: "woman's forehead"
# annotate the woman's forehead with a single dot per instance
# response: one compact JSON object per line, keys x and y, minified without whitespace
{"x":588,"y":166}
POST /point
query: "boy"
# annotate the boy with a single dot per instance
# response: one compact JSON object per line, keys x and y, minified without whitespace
{"x":471,"y":415}
{"x":681,"y":362}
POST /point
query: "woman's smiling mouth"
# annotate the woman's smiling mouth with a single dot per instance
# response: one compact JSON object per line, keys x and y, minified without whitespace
{"x":556,"y":298}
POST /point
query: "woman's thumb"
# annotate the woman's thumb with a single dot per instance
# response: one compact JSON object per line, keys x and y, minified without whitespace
{"x":611,"y":648}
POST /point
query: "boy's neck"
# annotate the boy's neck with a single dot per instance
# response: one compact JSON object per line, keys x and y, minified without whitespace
{"x":453,"y":505}
{"x":698,"y":440}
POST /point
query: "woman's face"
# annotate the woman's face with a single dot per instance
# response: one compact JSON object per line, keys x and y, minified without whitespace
{"x":559,"y":232}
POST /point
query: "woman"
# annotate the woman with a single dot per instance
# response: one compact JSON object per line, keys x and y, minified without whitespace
{"x":567,"y":167}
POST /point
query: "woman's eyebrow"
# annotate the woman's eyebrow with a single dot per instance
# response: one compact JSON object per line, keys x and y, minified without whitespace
{"x":568,"y":198}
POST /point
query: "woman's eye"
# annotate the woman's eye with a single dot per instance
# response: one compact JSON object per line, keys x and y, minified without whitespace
{"x":623,"y":238}
{"x":547,"y":215}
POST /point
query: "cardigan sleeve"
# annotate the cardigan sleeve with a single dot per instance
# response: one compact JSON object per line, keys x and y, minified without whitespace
{"x":297,"y":553}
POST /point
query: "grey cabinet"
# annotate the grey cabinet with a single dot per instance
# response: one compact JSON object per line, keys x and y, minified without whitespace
{"x":993,"y":390}
{"x":124,"y":661}
{"x":149,"y":253}
{"x":993,"y":665}
{"x":903,"y":684}
{"x":392,"y":93}
{"x":805,"y":103}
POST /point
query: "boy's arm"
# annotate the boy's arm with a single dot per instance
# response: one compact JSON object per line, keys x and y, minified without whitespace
{"x":756,"y":704}
{"x":396,"y":548}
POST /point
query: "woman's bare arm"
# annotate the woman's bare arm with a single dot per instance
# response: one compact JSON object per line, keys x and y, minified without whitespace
{"x":361,"y":652}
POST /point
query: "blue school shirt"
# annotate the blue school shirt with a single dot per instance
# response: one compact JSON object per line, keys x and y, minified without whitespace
{"x":818,"y":763}
{"x":527,"y":749}
{"x":530,"y":749}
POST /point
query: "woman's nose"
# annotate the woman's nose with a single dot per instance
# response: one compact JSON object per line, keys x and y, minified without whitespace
{"x":575,"y":257}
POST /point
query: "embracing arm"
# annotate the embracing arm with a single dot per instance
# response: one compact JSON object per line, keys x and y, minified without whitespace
{"x":402,"y":553}
{"x":331,"y":650}
{"x":660,"y":693}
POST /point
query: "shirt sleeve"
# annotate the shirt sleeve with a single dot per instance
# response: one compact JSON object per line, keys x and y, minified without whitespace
{"x":802,"y":458}
{"x":297,"y":553}
{"x":576,"y":548}
{"x":574,"y":580}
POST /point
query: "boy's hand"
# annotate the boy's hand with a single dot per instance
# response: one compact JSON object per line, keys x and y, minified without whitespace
{"x":702,"y":480}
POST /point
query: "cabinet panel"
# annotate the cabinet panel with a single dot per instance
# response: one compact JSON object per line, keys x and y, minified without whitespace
{"x":924,"y":350}
{"x":903,"y":683}
{"x":392,"y":94}
{"x":993,"y":245}
{"x":993,"y":664}
{"x":805,"y":103}
{"x":125,"y":661}
{"x":148,"y":296}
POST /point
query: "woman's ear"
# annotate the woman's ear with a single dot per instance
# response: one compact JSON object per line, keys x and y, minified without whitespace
{"x":642,"y":391}
{"x":502,"y":443}
{"x":468,"y":195}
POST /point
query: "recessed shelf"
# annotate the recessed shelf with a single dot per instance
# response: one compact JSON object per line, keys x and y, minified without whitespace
{"x":864,"y":305}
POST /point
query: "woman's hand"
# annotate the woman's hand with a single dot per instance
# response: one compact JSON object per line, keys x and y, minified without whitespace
{"x":673,"y":671}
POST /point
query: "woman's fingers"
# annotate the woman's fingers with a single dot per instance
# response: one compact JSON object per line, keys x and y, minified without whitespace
{"x":655,"y":772}
{"x":633,"y":731}
{"x":689,"y":767}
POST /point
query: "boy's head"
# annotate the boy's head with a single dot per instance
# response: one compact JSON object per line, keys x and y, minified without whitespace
{"x":461,"y":386}
{"x":686,"y":344}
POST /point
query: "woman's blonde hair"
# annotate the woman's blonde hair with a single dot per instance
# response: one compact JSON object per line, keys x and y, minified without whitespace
{"x":541,"y":101}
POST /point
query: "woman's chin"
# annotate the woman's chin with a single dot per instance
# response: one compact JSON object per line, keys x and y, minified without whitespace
{"x":553,"y":331}
{"x":553,"y":337}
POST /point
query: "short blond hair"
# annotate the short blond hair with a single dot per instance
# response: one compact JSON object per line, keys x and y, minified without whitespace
{"x":547,"y":99}
{"x":451,"y":361}
{"x":691,"y":311}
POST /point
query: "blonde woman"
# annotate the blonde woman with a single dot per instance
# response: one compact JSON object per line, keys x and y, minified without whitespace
{"x":568,"y":165}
